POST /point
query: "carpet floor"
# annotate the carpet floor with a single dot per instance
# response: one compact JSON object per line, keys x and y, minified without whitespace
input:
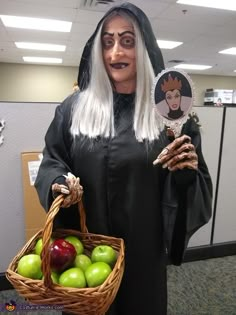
{"x":206,"y":287}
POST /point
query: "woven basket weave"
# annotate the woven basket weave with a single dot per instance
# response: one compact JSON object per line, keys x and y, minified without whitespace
{"x":84,"y":301}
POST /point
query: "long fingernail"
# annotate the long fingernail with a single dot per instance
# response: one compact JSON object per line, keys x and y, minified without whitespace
{"x":164,"y":151}
{"x":164,"y":165}
{"x":156,"y":161}
{"x":64,"y":191}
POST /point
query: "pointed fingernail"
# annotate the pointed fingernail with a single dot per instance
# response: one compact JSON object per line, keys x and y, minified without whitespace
{"x":164,"y":151}
{"x":155,"y":162}
{"x":64,"y":191}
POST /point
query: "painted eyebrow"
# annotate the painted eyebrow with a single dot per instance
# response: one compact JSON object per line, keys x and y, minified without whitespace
{"x":120,"y":34}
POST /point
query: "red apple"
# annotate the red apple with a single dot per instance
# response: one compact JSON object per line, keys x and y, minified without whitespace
{"x":62,"y":255}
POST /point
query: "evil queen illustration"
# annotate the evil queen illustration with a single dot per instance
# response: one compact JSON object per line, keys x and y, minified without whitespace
{"x":172,"y":89}
{"x":173,"y":95}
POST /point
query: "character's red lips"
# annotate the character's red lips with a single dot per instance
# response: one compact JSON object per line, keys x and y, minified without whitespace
{"x":119,"y":65}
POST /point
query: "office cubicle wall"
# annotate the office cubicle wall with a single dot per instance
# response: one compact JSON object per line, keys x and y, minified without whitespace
{"x":26,"y":124}
{"x":225,"y":219}
{"x":210,"y":119}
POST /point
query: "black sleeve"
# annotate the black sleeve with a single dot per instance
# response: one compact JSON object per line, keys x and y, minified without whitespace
{"x":187,"y":200}
{"x":56,"y":154}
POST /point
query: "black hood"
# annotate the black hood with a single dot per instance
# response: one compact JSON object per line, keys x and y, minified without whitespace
{"x":154,"y":51}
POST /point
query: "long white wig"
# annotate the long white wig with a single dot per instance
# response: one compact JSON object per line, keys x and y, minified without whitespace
{"x":93,"y":111}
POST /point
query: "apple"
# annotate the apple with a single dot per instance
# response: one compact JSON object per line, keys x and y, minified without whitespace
{"x":29,"y":266}
{"x":104,"y":253}
{"x":75,"y":241}
{"x":73,"y":277}
{"x":55,"y":277}
{"x":62,"y":255}
{"x":39,"y":246}
{"x":82,"y":261}
{"x":97,"y":273}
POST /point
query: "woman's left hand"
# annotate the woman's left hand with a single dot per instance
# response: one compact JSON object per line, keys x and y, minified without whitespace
{"x":178,"y":155}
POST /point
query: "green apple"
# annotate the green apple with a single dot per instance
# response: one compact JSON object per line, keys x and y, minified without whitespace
{"x":39,"y":246}
{"x":104,"y":253}
{"x":73,"y":277}
{"x":74,"y":240}
{"x":97,"y":273}
{"x":82,"y":261}
{"x":29,"y":266}
{"x":55,"y":277}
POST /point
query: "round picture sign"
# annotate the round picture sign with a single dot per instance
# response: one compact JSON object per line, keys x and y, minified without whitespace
{"x":172,"y":96}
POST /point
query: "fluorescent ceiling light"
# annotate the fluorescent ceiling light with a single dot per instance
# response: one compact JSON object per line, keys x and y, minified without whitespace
{"x":42,"y":60}
{"x":36,"y":24}
{"x":192,"y":67}
{"x":230,"y":51}
{"x":166,"y":44}
{"x":216,"y":4}
{"x":40,"y":46}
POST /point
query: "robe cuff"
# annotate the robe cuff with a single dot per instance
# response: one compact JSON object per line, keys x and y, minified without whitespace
{"x":61,"y":181}
{"x":185,"y":177}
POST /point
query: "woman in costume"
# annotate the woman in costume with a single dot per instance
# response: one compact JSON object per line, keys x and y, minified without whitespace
{"x":136,"y":184}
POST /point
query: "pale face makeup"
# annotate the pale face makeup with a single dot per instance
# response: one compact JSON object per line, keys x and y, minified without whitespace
{"x":118,"y":42}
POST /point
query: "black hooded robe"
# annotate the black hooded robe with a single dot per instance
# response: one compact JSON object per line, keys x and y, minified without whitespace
{"x":124,"y":194}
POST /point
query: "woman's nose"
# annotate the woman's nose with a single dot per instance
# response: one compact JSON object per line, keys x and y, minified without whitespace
{"x":116,"y":52}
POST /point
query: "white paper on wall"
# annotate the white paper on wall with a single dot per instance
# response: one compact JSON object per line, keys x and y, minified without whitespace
{"x":33,"y":167}
{"x":2,"y":125}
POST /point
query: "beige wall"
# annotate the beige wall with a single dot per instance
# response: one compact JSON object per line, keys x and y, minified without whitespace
{"x":203,"y":82}
{"x":37,"y":83}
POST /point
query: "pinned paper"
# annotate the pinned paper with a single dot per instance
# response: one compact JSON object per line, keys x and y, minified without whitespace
{"x":33,"y":167}
{"x":1,"y":139}
{"x":2,"y":125}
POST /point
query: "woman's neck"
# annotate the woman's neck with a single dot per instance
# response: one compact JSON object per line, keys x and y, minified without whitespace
{"x":125,"y":87}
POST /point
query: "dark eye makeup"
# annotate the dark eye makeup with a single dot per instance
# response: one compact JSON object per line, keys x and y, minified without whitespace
{"x":127,"y":42}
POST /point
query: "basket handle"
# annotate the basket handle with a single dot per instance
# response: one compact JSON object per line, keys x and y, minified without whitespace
{"x":47,"y":232}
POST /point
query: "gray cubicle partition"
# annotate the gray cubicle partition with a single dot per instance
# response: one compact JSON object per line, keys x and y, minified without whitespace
{"x":26,"y":124}
{"x":211,"y":127}
{"x":225,"y":220}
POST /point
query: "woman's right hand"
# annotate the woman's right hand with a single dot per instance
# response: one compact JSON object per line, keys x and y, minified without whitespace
{"x":73,"y":191}
{"x":179,"y":154}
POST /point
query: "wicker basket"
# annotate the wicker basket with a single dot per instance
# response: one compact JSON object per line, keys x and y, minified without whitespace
{"x":84,"y":301}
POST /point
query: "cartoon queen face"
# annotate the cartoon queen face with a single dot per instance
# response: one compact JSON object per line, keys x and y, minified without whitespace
{"x":172,"y":96}
{"x":172,"y":89}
